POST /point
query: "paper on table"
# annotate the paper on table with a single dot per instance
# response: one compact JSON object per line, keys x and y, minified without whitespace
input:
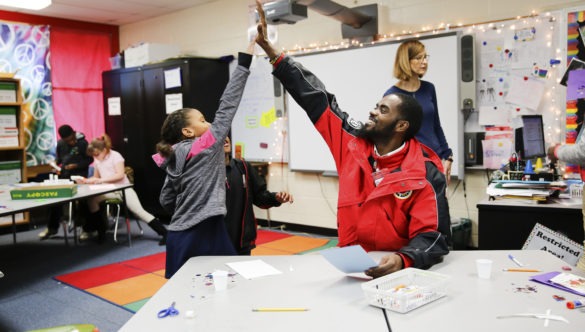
{"x":352,"y":259}
{"x":253,"y":269}
{"x":102,"y":186}
{"x":571,"y":281}
{"x":545,"y":279}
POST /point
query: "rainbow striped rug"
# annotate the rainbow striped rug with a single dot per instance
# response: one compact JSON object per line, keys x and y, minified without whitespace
{"x":129,"y":284}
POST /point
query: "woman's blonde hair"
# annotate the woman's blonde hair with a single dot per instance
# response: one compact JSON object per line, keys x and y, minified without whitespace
{"x":406,"y":52}
{"x":99,"y":144}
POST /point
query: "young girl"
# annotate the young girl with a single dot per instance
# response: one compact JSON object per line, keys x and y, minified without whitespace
{"x":191,"y":153}
{"x":109,"y":168}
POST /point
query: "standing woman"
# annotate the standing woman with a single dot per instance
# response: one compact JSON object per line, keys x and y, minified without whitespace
{"x":410,"y":65}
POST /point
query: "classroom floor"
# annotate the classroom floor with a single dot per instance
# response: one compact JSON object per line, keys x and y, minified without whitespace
{"x":31,"y":299}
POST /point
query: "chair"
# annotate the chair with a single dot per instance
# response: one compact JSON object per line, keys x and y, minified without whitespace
{"x":118,"y":204}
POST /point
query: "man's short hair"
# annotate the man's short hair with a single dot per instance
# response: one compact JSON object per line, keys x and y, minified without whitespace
{"x":411,"y":111}
{"x":66,"y":131}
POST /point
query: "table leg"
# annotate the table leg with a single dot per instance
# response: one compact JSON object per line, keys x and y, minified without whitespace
{"x":66,"y":225}
{"x":14,"y":228}
{"x":71,"y":223}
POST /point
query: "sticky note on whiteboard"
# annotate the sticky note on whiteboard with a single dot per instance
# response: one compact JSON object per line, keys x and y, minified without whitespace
{"x":264,"y":145}
{"x":239,"y":150}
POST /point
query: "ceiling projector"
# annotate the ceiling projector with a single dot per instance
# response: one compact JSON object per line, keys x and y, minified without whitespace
{"x":284,"y":12}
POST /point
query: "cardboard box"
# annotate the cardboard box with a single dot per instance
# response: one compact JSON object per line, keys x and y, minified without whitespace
{"x":8,"y":131}
{"x":8,"y":141}
{"x":146,"y":53}
{"x":8,"y":117}
{"x":10,"y":172}
{"x":44,"y":191}
{"x":8,"y":92}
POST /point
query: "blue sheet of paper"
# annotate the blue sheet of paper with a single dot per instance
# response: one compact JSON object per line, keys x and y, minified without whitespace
{"x":352,"y":259}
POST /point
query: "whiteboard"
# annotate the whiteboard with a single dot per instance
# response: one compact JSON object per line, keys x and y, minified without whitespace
{"x":359,"y":77}
{"x":259,"y":126}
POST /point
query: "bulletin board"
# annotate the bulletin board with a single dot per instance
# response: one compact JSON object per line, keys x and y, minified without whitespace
{"x":359,"y":77}
{"x":259,"y":127}
{"x":517,"y":68}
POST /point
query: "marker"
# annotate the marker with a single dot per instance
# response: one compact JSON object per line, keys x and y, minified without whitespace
{"x":575,"y":304}
{"x":279,"y":309}
{"x":515,"y":261}
{"x":521,"y":270}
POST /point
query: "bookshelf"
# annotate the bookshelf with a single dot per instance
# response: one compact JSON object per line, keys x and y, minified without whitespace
{"x":12,"y":143}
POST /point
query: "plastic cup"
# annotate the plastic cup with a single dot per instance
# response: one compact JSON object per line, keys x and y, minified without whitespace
{"x":484,"y":268}
{"x":220,"y":279}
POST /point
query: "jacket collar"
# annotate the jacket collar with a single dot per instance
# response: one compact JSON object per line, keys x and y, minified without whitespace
{"x":412,"y":165}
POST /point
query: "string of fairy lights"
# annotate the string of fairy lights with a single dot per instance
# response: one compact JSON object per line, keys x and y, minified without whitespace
{"x":552,"y":106}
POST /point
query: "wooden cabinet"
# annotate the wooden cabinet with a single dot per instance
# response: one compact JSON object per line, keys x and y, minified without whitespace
{"x":140,"y":94}
{"x":12,"y":144}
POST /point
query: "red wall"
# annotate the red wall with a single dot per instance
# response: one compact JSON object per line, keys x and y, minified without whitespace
{"x":112,"y":30}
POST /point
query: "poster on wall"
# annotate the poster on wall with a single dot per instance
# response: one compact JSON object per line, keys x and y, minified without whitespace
{"x":24,"y":49}
{"x":514,"y":63}
{"x":259,"y":126}
{"x":517,"y":69}
{"x":575,"y":108}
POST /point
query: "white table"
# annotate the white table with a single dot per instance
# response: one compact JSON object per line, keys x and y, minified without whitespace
{"x":12,"y":207}
{"x":336,"y":301}
{"x":473,"y":304}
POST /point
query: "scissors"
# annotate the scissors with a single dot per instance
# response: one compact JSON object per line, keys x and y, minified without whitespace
{"x":170,"y":311}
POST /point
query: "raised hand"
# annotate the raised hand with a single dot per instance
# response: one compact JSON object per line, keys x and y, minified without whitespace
{"x":262,"y":36}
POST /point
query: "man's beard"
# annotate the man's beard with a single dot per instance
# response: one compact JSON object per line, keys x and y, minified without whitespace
{"x":374,"y":134}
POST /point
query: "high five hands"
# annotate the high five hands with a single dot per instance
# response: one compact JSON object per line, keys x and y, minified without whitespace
{"x":262,"y":36}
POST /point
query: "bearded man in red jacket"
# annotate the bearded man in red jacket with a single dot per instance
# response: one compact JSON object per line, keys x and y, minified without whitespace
{"x":391,"y":187}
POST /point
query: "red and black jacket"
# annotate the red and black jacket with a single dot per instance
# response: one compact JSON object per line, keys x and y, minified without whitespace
{"x":407,"y":212}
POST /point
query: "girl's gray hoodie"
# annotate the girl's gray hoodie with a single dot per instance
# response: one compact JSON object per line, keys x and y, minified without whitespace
{"x":194,"y":188}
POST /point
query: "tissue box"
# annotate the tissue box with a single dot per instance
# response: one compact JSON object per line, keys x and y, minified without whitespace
{"x":44,"y":191}
{"x":145,"y":53}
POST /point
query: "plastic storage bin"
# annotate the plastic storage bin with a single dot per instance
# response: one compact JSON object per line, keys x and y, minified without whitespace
{"x":406,"y":289}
